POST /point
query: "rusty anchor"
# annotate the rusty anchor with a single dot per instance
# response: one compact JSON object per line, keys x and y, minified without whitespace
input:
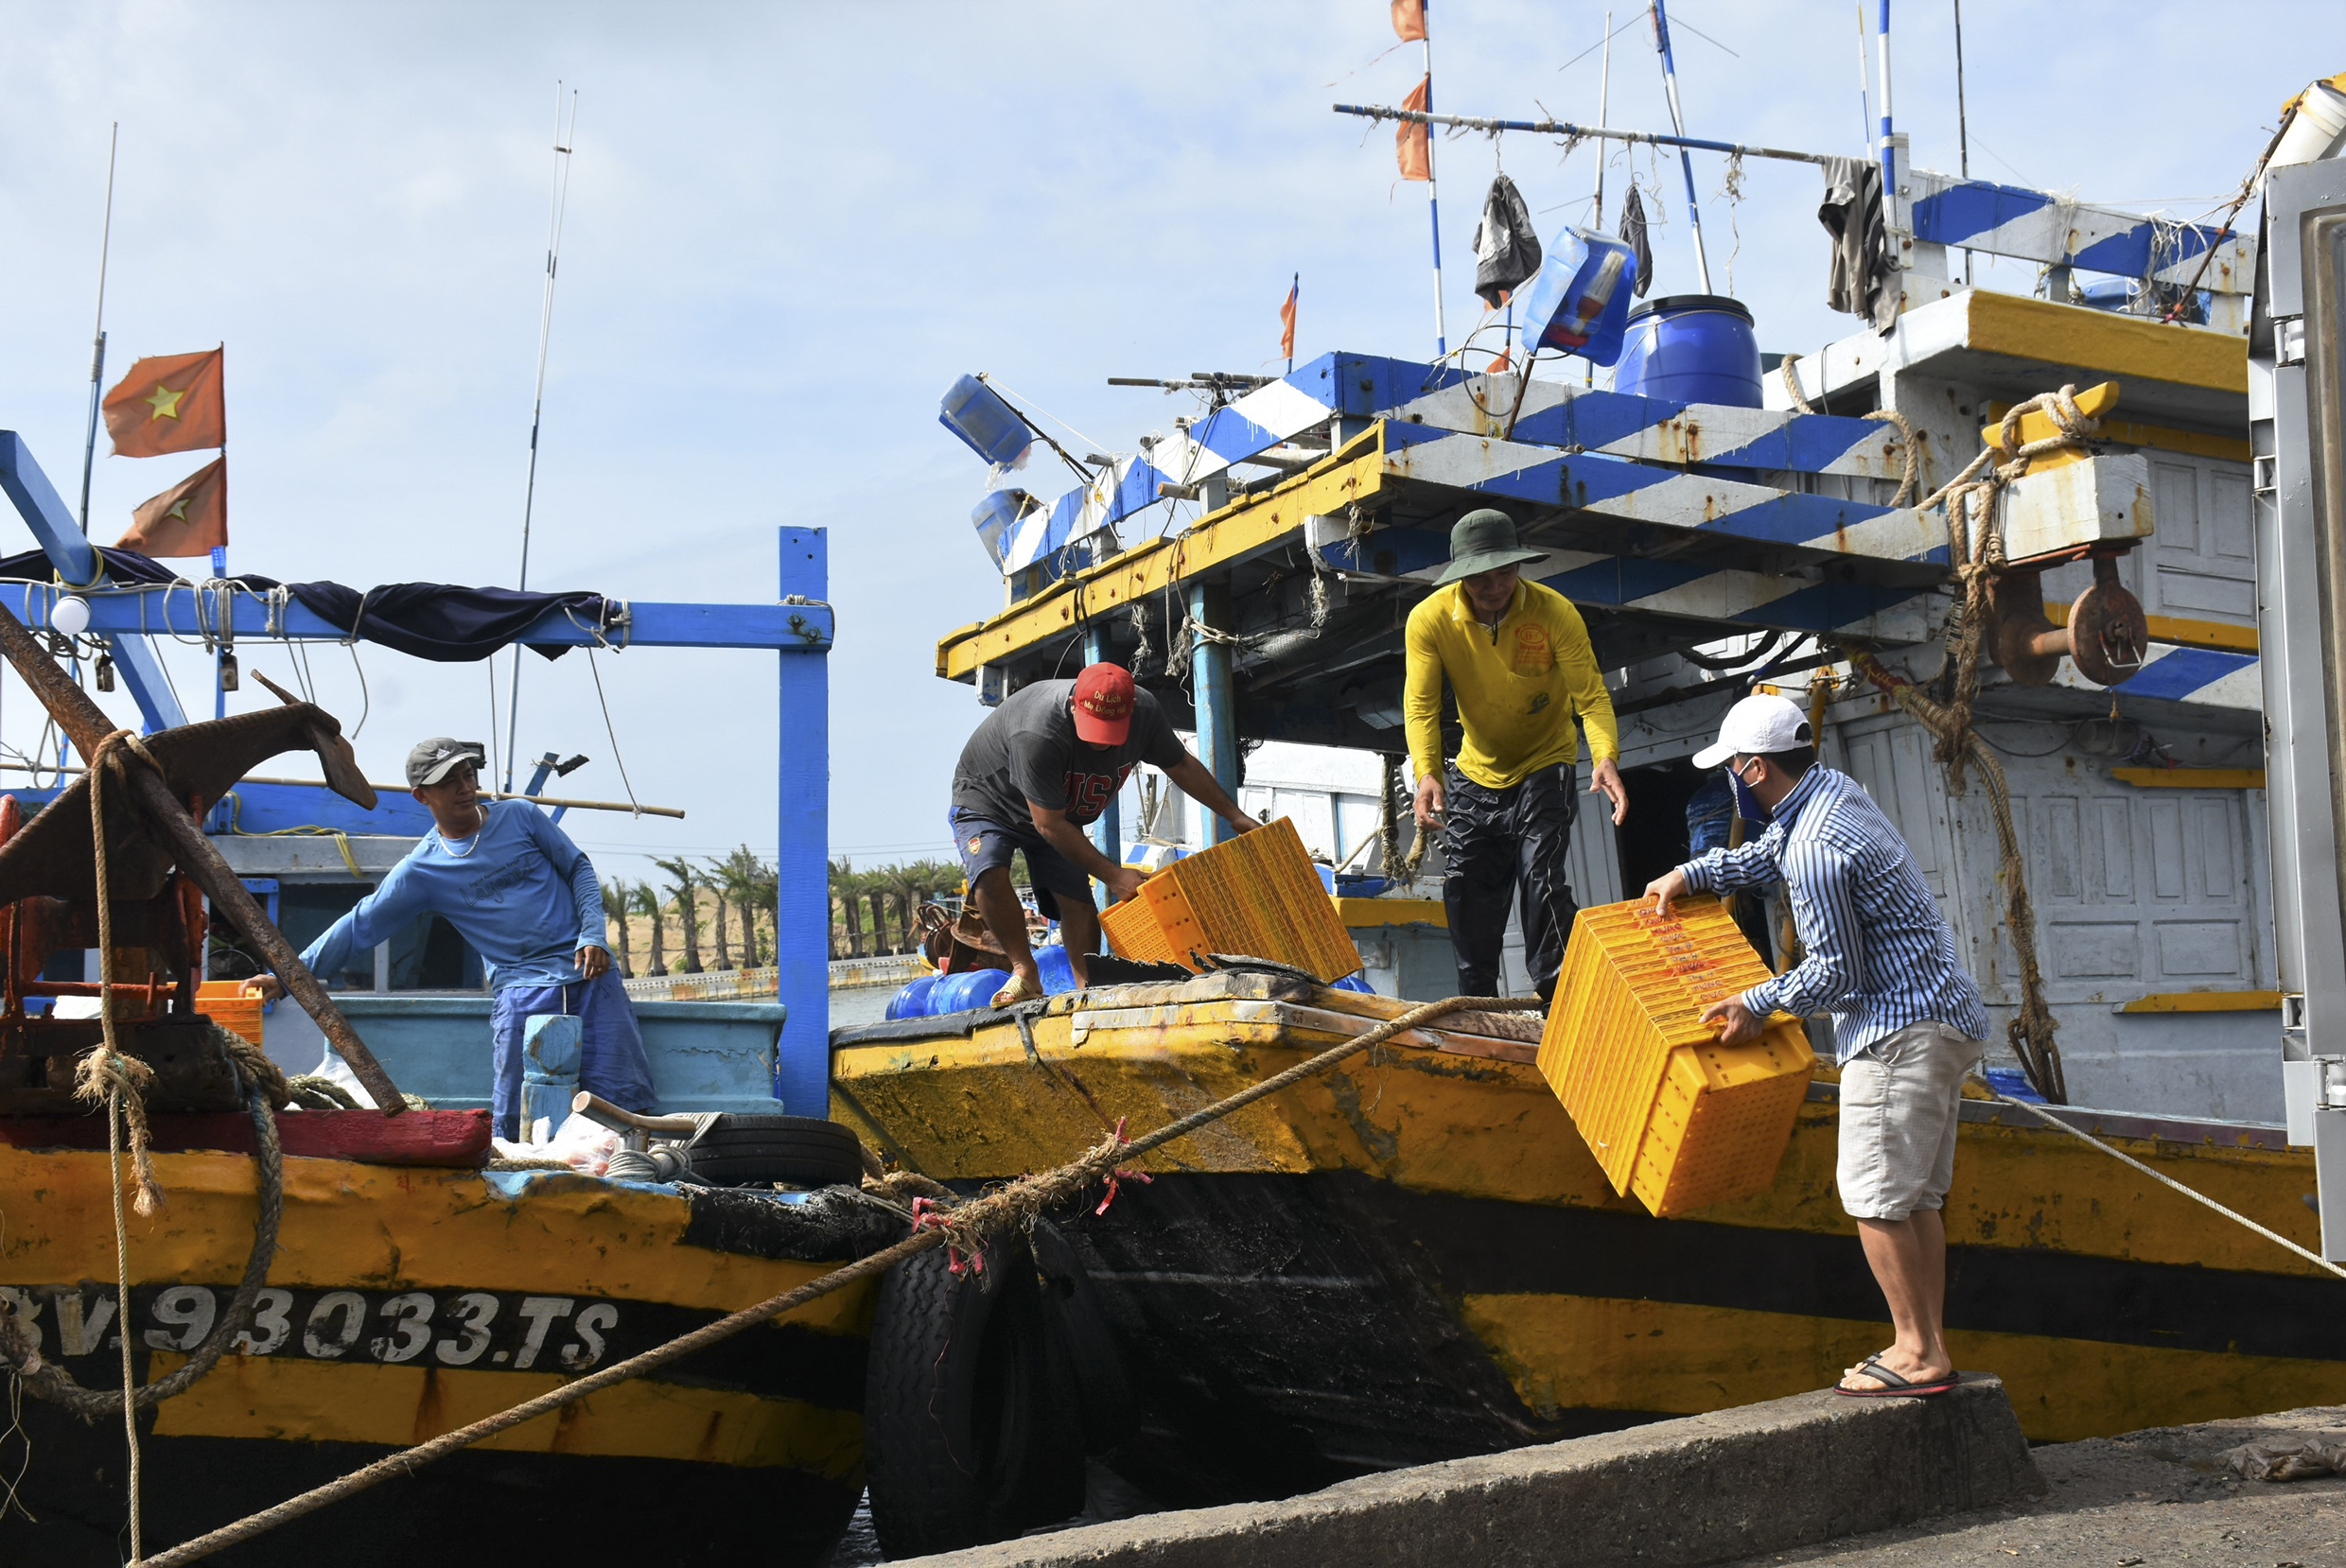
{"x":155,"y":849}
{"x":2108,"y":637}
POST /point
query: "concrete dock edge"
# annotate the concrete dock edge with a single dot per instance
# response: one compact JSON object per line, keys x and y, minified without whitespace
{"x":1672,"y":1494}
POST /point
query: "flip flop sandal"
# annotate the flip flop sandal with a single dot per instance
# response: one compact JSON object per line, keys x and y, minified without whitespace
{"x":1017,"y":991}
{"x":1893,"y":1386}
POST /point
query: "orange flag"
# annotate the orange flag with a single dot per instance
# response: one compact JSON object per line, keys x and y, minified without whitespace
{"x":190,"y":518}
{"x":168,"y":403}
{"x":1287,"y":319}
{"x":1408,"y":17}
{"x":1410,"y":145}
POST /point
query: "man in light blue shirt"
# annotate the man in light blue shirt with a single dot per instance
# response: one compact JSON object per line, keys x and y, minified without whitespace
{"x":526,"y":899}
{"x":1908,"y":1022}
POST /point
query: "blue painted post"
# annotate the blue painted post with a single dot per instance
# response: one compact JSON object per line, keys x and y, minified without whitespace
{"x":549,"y":1057}
{"x":43,"y":511}
{"x":802,"y":858}
{"x":1217,"y":714}
{"x":1107,"y":832}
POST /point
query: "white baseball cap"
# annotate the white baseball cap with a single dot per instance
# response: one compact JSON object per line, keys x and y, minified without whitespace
{"x":1754,"y":726}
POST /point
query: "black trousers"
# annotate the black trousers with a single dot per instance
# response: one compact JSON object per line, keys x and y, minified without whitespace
{"x":1498,"y":842}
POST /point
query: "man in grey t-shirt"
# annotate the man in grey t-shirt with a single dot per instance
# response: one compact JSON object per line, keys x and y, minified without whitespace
{"x":1043,"y":766}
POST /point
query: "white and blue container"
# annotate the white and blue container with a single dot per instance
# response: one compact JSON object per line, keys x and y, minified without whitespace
{"x":1579,"y":301}
{"x":1691,"y":348}
{"x":996,"y":516}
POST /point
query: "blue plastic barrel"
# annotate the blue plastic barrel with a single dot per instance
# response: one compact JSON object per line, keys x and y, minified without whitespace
{"x":1355,"y":983}
{"x":996,"y":516}
{"x":912,"y":1000}
{"x":1057,"y":973}
{"x":976,"y":413}
{"x":958,"y":993}
{"x":1691,"y":348}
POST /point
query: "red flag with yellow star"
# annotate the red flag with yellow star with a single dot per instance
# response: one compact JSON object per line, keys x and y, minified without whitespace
{"x":190,"y":518}
{"x":168,"y":403}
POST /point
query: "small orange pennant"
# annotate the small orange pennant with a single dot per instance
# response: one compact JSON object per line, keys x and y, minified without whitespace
{"x":1411,"y":143}
{"x":190,"y":518}
{"x":1287,"y":318}
{"x":168,"y":403}
{"x":1409,"y":20}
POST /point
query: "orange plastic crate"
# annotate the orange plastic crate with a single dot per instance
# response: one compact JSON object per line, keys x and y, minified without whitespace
{"x":1257,"y":895}
{"x":1671,"y":1115}
{"x":224,"y":1002}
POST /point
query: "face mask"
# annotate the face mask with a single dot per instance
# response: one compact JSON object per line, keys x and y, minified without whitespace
{"x":1746,"y":804}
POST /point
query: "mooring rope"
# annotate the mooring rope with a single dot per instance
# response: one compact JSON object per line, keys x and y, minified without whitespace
{"x":2033,"y":1026}
{"x":965,"y":1229}
{"x":2164,"y":1181}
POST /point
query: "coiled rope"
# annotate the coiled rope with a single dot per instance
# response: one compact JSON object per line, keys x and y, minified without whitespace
{"x":966,"y":1229}
{"x":110,"y":1076}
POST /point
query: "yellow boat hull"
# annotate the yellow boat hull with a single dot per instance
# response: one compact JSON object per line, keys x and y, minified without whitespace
{"x":405,"y":1302}
{"x":1414,"y":1255}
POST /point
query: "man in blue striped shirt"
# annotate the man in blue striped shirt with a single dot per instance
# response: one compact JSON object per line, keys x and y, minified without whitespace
{"x":1907,"y":1021}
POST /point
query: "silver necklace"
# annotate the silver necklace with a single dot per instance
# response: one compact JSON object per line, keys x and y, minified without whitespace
{"x":473,"y":841}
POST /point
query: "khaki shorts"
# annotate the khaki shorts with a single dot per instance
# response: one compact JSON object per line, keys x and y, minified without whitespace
{"x":1900,"y":1098}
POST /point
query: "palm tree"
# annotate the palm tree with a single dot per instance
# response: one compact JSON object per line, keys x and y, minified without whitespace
{"x":647,"y":901}
{"x":615,"y":901}
{"x":843,"y":895}
{"x":741,"y":876}
{"x":686,"y":886}
{"x":766,"y":893}
{"x":717,"y":890}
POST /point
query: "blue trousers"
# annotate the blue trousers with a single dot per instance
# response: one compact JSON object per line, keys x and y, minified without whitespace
{"x":611,"y":1059}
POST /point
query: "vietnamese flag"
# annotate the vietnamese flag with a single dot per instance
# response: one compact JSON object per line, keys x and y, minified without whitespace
{"x":1410,"y":141}
{"x":190,"y":518}
{"x":1287,"y":320}
{"x":168,"y":403}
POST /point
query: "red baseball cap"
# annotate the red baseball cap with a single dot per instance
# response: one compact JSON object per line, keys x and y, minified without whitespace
{"x":1103,"y":704}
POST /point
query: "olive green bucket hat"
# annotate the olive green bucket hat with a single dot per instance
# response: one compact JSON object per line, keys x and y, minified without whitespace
{"x":1484,"y":541}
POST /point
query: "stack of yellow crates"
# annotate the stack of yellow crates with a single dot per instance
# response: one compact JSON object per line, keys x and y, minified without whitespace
{"x":1671,"y":1115}
{"x":1257,"y":895}
{"x":224,"y":1002}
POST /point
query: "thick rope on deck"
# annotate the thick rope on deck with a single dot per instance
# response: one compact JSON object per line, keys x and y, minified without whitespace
{"x":2033,"y":1026}
{"x":110,"y":1076}
{"x":966,"y":1229}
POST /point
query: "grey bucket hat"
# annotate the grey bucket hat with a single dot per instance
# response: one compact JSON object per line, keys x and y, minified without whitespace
{"x":1484,"y":541}
{"x":432,"y":760}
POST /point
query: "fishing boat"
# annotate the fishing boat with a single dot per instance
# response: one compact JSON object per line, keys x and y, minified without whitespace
{"x":414,"y":1283}
{"x":1415,"y":1256}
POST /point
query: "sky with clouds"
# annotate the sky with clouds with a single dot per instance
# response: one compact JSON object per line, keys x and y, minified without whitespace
{"x":790,"y":227}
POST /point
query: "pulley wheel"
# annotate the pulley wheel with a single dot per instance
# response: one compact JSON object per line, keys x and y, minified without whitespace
{"x":2108,"y":635}
{"x":2020,"y":638}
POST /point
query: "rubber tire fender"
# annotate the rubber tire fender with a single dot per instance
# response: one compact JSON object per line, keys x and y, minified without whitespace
{"x":803,"y":1150}
{"x":961,"y":1444}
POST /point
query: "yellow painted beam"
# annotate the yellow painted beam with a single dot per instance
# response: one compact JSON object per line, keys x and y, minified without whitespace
{"x":2204,"y":1002}
{"x":2191,"y":779}
{"x":2094,"y":403}
{"x":1352,"y":474}
{"x":2097,"y":341}
{"x":2182,"y":632}
{"x":1392,"y":912}
{"x":2164,"y":438}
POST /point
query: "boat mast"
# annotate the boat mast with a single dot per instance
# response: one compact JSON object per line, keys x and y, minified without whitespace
{"x":537,"y":405}
{"x":1677,"y":123}
{"x":97,"y":353}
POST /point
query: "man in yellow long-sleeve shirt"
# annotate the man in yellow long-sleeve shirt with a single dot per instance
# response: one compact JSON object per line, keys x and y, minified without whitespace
{"x":1517,"y":658}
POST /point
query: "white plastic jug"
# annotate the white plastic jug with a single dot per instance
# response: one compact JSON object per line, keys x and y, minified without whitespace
{"x":2315,"y":130}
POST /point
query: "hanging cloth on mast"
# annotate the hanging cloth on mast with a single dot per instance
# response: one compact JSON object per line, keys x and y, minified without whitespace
{"x":1859,"y":281}
{"x":1633,"y":236}
{"x":1506,"y":250}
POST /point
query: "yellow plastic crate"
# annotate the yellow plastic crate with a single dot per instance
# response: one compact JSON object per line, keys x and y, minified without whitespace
{"x":1671,"y":1115}
{"x":1257,"y":894}
{"x":224,"y":1002}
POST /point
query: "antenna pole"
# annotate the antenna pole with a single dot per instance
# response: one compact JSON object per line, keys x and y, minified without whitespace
{"x":1889,"y":170}
{"x":1865,"y":84}
{"x":1605,"y":100}
{"x":1963,"y":129}
{"x":563,"y":144}
{"x":1677,"y":123}
{"x":97,"y":352}
{"x":1433,"y":205}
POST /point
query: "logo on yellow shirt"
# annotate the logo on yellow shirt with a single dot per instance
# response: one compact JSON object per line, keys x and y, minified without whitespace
{"x":1532,"y":656}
